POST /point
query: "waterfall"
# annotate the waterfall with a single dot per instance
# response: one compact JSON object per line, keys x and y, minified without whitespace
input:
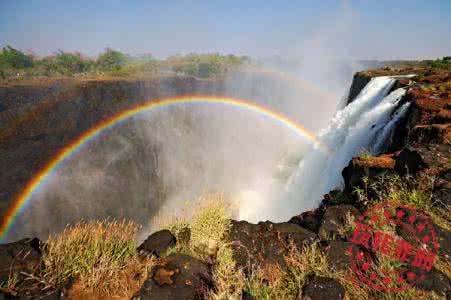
{"x":353,"y":129}
{"x":383,"y":137}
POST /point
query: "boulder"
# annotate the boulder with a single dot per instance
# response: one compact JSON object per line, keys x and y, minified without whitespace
{"x":408,"y":162}
{"x":359,"y":168}
{"x":20,"y":256}
{"x":266,"y":243}
{"x":177,"y":277}
{"x":158,"y":243}
{"x":310,"y":220}
{"x":335,"y":218}
{"x":319,"y":288}
{"x":337,"y":255}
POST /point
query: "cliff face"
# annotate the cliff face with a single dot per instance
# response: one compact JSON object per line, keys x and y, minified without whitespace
{"x":39,"y":118}
{"x":415,"y":170}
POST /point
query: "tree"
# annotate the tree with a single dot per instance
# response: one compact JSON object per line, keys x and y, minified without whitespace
{"x":111,"y":60}
{"x":70,"y":63}
{"x":14,"y":58}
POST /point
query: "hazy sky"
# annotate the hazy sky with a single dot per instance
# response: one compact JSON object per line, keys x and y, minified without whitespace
{"x":384,"y":29}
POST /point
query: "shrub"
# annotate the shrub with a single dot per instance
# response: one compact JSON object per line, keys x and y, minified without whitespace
{"x":13,"y":58}
{"x":94,"y":252}
{"x":70,"y":63}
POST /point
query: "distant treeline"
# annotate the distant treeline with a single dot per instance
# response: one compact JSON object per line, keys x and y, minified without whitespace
{"x":439,"y":63}
{"x":16,"y":64}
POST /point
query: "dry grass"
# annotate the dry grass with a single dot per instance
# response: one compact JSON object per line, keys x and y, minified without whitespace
{"x":406,"y":190}
{"x":229,"y":280}
{"x":207,"y":225}
{"x":100,"y":255}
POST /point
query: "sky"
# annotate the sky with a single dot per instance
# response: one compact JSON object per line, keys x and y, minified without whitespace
{"x":361,"y":29}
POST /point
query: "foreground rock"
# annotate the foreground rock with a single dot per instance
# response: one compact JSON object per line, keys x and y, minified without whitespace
{"x":18,"y":257}
{"x":369,"y":167}
{"x":319,"y":288}
{"x":177,"y":277}
{"x":157,"y":243}
{"x":335,"y":219}
{"x":265,"y":244}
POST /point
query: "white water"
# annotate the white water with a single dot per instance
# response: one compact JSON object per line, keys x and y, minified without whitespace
{"x":379,"y":144}
{"x":353,"y":129}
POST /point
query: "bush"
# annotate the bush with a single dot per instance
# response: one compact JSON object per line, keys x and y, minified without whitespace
{"x":13,"y":58}
{"x":205,"y":65}
{"x":70,"y":63}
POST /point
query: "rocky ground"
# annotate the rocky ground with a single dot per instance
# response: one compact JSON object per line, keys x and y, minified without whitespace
{"x":415,"y":170}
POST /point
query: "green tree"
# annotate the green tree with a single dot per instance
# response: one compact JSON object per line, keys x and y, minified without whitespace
{"x":111,"y":60}
{"x":13,"y":58}
{"x":70,"y":63}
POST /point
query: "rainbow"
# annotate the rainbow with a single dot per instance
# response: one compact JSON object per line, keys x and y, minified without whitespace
{"x":65,"y":153}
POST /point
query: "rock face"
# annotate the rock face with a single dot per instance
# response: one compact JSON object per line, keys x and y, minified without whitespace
{"x":177,"y":277}
{"x":369,"y":167}
{"x":265,"y":244}
{"x":310,"y":220}
{"x":39,"y":119}
{"x":20,"y":256}
{"x":358,"y":83}
{"x":408,"y":162}
{"x":158,"y":243}
{"x":335,"y":217}
{"x":319,"y":288}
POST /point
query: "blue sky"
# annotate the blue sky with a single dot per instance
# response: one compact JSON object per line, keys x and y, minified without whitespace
{"x":383,"y":29}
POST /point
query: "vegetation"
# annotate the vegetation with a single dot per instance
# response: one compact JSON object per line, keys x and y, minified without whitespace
{"x":98,"y":254}
{"x":14,"y":64}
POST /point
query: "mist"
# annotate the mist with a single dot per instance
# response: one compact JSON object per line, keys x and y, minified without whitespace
{"x":156,"y":165}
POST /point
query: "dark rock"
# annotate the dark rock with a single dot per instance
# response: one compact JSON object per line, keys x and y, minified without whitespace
{"x":310,"y":220}
{"x":442,"y":194}
{"x":20,"y":256}
{"x":358,"y":83}
{"x":319,"y":288}
{"x":334,"y":218}
{"x":184,"y":236}
{"x":337,"y":255}
{"x":435,"y":133}
{"x":178,"y":277}
{"x":371,"y":167}
{"x":158,"y":243}
{"x":435,"y":281}
{"x":265,"y":243}
{"x":247,"y":296}
{"x":408,"y":162}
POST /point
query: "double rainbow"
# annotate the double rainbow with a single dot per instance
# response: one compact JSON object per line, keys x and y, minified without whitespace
{"x":20,"y":203}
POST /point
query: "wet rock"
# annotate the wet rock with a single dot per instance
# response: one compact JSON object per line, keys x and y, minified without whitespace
{"x":265,"y":243}
{"x":358,"y":83}
{"x":310,"y":220}
{"x":335,"y":218}
{"x":178,"y":277}
{"x":158,"y":243}
{"x":408,"y":162}
{"x":319,"y":288}
{"x":20,"y":256}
